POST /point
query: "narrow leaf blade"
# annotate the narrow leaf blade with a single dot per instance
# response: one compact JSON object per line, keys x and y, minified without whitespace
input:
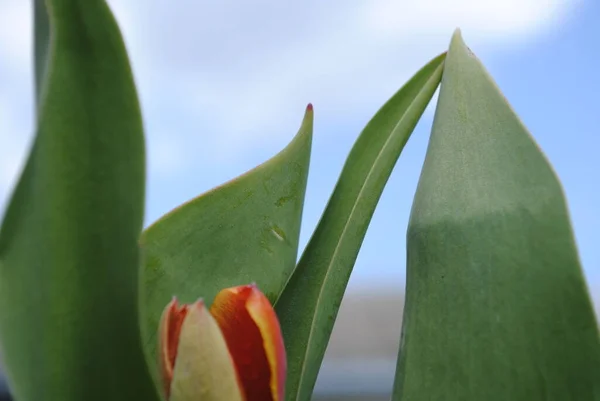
{"x":68,"y":243}
{"x":41,"y":43}
{"x":496,"y":304}
{"x":309,"y":303}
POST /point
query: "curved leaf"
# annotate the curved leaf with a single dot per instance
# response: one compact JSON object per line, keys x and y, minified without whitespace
{"x":496,"y":305}
{"x":244,"y":231}
{"x":68,"y":243}
{"x":309,"y":303}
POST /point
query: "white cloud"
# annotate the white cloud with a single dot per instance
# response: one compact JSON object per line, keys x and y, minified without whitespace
{"x":249,"y":69}
{"x":485,"y":19}
{"x":244,"y":71}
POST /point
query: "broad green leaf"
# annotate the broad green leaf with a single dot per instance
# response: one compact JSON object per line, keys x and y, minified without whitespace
{"x":496,"y":304}
{"x":68,"y":243}
{"x":244,"y":231}
{"x":309,"y":303}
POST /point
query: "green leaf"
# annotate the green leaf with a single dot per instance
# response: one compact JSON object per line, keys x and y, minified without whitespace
{"x":496,"y":304}
{"x":41,"y":34}
{"x":309,"y":303}
{"x":244,"y":231}
{"x":68,"y":244}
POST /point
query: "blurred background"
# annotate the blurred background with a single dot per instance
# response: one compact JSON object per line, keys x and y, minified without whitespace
{"x":224,"y":84}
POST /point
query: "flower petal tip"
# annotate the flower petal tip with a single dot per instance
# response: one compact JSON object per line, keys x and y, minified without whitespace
{"x":259,"y":352}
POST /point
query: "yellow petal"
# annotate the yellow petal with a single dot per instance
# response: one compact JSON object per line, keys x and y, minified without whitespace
{"x":204,"y":370}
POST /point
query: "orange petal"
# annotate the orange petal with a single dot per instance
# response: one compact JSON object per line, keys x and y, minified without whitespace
{"x":251,"y":329}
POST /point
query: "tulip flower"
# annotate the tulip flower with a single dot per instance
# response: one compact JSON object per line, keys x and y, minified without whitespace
{"x":234,"y":352}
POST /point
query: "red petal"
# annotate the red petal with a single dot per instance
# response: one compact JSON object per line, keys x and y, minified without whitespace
{"x":170,"y":327}
{"x":251,"y":329}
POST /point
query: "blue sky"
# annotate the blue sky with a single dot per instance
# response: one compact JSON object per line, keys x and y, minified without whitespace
{"x":224,"y":85}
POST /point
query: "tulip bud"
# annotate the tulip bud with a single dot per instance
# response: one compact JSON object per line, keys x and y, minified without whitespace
{"x":252,"y":332}
{"x":235,"y":352}
{"x":195,"y":362}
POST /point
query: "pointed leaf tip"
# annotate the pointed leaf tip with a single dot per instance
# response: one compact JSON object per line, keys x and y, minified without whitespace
{"x":457,"y":34}
{"x":457,"y":43}
{"x":320,"y":278}
{"x":489,"y":233}
{"x":309,"y":108}
{"x":238,"y":207}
